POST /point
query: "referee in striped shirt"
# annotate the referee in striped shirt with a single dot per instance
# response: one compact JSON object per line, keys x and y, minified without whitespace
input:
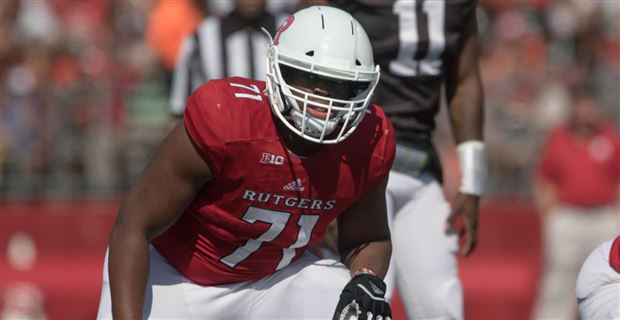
{"x":233,"y":45}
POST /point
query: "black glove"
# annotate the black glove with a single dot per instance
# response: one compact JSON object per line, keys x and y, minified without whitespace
{"x":363,"y":298}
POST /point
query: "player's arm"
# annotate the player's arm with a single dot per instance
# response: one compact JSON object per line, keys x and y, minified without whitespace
{"x":365,"y":248}
{"x":363,"y":234}
{"x":546,"y":176}
{"x":171,"y":178}
{"x":464,"y":90}
{"x":465,"y":102}
{"x":545,"y":196}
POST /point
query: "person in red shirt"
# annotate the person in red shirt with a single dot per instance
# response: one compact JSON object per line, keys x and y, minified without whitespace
{"x":218,"y":224}
{"x":578,"y":179}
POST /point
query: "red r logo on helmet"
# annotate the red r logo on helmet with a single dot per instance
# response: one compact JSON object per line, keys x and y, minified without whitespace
{"x":284,"y":26}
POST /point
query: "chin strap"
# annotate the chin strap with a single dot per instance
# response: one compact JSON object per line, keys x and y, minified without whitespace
{"x":312,"y":126}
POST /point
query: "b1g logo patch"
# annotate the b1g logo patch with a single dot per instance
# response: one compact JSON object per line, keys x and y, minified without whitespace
{"x":272,"y":159}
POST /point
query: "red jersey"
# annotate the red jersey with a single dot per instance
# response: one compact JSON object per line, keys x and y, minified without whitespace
{"x":586,"y":173}
{"x":264,"y":205}
{"x":614,"y":254}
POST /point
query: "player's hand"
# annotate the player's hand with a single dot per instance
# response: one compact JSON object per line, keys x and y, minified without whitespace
{"x":465,"y":209}
{"x":363,"y":298}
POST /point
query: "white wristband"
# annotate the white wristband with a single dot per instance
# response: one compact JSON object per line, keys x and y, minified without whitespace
{"x":473,"y":162}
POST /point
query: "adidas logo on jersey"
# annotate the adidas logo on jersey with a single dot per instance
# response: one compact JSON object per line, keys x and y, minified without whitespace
{"x":268,"y":158}
{"x":294,"y":186}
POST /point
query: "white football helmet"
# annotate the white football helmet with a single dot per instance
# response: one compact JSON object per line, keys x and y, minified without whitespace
{"x":329,"y":44}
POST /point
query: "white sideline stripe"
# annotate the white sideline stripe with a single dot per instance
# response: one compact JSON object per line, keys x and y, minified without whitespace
{"x":370,"y":294}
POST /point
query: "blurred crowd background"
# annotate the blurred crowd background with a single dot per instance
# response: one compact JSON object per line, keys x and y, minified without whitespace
{"x":84,"y":100}
{"x":85,"y":85}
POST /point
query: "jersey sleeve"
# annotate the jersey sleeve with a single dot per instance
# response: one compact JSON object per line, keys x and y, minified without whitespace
{"x":389,"y":147}
{"x":207,"y":124}
{"x":384,"y":150}
{"x":471,"y":23}
{"x":614,"y":254}
{"x":614,"y":136}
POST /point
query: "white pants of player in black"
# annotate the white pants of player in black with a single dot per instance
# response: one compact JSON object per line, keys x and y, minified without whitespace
{"x":306,"y":289}
{"x":424,"y":255}
{"x":598,"y":286}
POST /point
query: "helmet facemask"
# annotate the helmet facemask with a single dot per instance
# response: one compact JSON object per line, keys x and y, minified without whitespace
{"x":320,"y":102}
{"x":313,"y":116}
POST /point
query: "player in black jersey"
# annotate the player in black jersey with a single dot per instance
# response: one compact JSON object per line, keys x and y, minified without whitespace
{"x":423,"y":46}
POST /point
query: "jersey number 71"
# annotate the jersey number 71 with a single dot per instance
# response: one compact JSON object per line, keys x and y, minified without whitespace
{"x":277,"y":221}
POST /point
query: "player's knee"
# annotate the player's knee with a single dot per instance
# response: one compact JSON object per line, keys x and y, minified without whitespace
{"x":315,"y":290}
{"x":437,"y":301}
{"x":449,"y":304}
{"x":326,"y":273}
{"x":444,"y":311}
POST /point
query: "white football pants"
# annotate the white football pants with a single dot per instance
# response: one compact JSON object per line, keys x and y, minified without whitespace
{"x":305,"y":289}
{"x":424,"y":256}
{"x":598,"y":286}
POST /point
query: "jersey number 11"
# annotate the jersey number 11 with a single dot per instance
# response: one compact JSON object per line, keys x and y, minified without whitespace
{"x":414,"y":59}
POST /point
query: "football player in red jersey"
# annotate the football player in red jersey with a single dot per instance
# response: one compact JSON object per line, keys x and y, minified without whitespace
{"x":218,"y":223}
{"x":598,"y":284}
